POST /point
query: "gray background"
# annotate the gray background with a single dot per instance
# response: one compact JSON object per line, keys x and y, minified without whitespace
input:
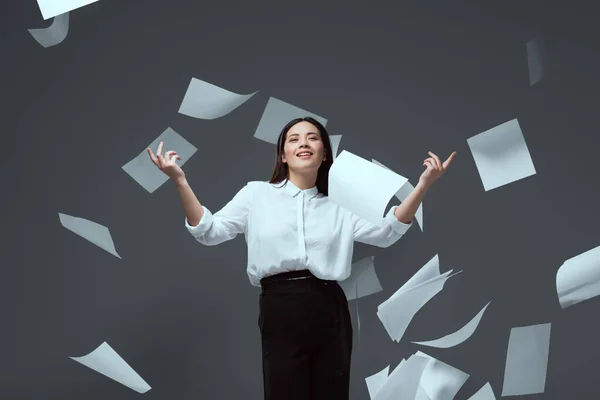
{"x":396,"y":80}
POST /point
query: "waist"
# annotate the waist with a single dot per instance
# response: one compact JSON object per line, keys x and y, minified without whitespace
{"x":302,"y":281}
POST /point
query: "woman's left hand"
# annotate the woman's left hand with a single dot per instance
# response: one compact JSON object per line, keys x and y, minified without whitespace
{"x":435,"y":168}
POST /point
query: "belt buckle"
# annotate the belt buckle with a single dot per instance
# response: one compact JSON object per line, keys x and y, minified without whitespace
{"x":301,"y":277}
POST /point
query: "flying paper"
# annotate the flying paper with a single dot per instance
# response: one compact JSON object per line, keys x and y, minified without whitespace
{"x":535,"y":60}
{"x":93,"y":232}
{"x":403,"y":382}
{"x":457,"y":337}
{"x":206,"y":101}
{"x":54,"y":34}
{"x":52,"y":8}
{"x":485,"y":393}
{"x":403,"y":193}
{"x":362,"y":187}
{"x":107,"y":362}
{"x":578,"y":279}
{"x":363,"y":279}
{"x":144,"y":172}
{"x":335,"y":144}
{"x":501,"y":155}
{"x":526,"y":360}
{"x":375,"y":382}
{"x":276,"y":115}
{"x":397,"y":312}
{"x":440,"y":381}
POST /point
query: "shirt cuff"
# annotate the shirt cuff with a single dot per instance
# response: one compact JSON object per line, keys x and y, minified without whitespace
{"x":397,"y":226}
{"x":202,"y":227}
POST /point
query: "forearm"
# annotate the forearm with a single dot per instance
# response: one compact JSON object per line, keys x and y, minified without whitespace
{"x":406,"y":211}
{"x":191,"y":205}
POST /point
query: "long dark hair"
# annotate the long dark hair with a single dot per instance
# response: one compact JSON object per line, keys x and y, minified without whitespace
{"x":281,"y":171}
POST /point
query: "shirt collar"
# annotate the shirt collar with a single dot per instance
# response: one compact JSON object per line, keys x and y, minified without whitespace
{"x":293,"y":190}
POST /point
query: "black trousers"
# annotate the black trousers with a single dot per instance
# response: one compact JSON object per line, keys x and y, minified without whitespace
{"x":306,"y":336}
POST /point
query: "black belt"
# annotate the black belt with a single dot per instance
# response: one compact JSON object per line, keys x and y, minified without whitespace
{"x":300,"y":277}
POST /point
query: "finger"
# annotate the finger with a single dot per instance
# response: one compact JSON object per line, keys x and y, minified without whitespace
{"x":429,"y":164}
{"x":432,"y":160}
{"x":159,"y":150}
{"x":151,"y":154}
{"x":449,"y":160}
{"x":169,"y":154}
{"x":438,"y":163}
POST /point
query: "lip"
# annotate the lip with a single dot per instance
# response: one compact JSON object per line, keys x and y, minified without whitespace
{"x":305,"y":151}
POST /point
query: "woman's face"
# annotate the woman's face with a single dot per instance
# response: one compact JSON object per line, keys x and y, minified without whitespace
{"x":303,"y":137}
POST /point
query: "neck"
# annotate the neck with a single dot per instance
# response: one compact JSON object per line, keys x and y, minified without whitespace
{"x":303,"y":181}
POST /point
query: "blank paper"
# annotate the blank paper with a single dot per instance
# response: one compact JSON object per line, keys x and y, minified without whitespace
{"x":501,"y":155}
{"x":403,"y":382}
{"x":376,"y":381}
{"x":52,"y":8}
{"x":535,"y":61}
{"x":397,"y":314}
{"x":91,"y":231}
{"x":578,"y":279}
{"x":526,"y":360}
{"x":363,"y":280}
{"x":403,"y":193}
{"x":143,"y":170}
{"x":207,"y":101}
{"x":107,"y":362}
{"x":54,"y":34}
{"x":276,"y":115}
{"x":439,"y":380}
{"x":459,"y":336}
{"x":362,"y":187}
{"x":485,"y":393}
{"x":335,"y":144}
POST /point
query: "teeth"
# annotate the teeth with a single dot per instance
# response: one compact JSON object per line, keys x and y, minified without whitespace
{"x":304,"y":154}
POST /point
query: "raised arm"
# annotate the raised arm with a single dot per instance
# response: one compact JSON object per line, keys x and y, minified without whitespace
{"x":192,"y":208}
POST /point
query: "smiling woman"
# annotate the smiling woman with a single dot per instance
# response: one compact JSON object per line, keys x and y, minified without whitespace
{"x":299,"y":136}
{"x":300,"y":246}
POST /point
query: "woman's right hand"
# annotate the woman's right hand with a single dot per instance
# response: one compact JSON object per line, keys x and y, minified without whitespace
{"x":167,"y":163}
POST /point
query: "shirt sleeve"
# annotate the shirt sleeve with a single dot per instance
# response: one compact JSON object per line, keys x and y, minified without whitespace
{"x":226,"y":223}
{"x":384,"y":235}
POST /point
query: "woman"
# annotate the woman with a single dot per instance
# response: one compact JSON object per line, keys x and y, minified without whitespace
{"x":299,"y":246}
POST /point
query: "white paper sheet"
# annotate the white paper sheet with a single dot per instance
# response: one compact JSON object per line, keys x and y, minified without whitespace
{"x":376,"y":381}
{"x":501,"y":155}
{"x":91,"y":231}
{"x":403,"y":193}
{"x":427,"y":272}
{"x":207,"y":101}
{"x":276,"y":115}
{"x":107,"y":362}
{"x":363,"y":279}
{"x":526,"y":360}
{"x":535,"y":61}
{"x":397,"y":314}
{"x":439,"y":380}
{"x":459,"y":336}
{"x":54,"y":34}
{"x":485,"y":393}
{"x":144,"y":172}
{"x":403,"y":382}
{"x":335,"y":144}
{"x":362,"y":187}
{"x":52,"y":8}
{"x":578,"y":279}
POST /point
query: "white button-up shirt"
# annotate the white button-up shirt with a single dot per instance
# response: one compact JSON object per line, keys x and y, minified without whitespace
{"x":289,"y":229}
